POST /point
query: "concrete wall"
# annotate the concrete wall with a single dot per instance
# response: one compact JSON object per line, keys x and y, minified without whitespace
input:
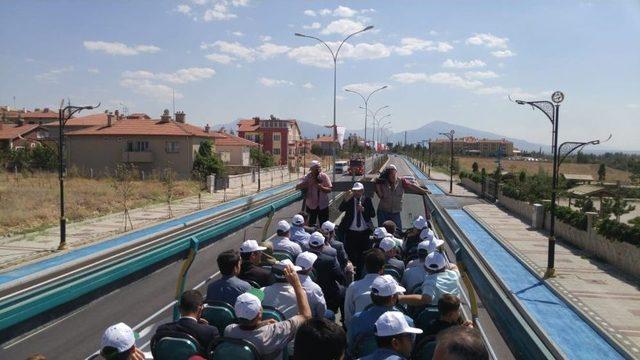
{"x":276,"y":173}
{"x":239,"y":155}
{"x":472,"y":185}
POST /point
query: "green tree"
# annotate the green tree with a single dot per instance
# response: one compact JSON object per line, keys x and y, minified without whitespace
{"x":474,"y":167}
{"x":206,"y":162}
{"x":44,"y":158}
{"x":261,"y":158}
{"x":316,"y":150}
{"x":602,"y":172}
{"x":617,"y":206}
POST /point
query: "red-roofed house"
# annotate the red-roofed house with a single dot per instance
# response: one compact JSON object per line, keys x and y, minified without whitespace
{"x":37,"y":116}
{"x":150,"y":144}
{"x":278,"y":137}
{"x":15,"y":136}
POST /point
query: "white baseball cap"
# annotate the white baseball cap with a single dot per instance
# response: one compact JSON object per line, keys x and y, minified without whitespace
{"x":420,"y":223}
{"x":119,"y":336}
{"x":393,"y":323}
{"x":328,"y":226}
{"x":379,"y":233}
{"x":386,"y":285}
{"x":426,"y":234}
{"x":387,"y":244}
{"x":306,"y":260}
{"x":392,"y":167}
{"x":435,"y":261}
{"x":247,"y":306}
{"x":297,"y":220}
{"x":314,"y":163}
{"x":316,"y":239}
{"x":357,"y":186}
{"x":283,"y":226}
{"x":282,"y":264}
{"x":428,"y":246}
{"x":250,"y":246}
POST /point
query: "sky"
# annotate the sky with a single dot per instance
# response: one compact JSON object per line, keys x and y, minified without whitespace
{"x":223,"y":60}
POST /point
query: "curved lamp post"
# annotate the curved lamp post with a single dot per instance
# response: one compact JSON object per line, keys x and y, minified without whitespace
{"x":366,"y":111}
{"x":64,"y":114}
{"x":334,"y":55}
{"x":450,"y":136}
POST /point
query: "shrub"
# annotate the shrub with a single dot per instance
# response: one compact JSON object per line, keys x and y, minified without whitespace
{"x":614,"y":230}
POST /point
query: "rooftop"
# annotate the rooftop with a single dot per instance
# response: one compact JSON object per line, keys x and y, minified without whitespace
{"x":12,"y":131}
{"x":141,"y":126}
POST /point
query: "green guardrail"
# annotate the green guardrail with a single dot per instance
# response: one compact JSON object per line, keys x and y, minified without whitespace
{"x":15,"y":310}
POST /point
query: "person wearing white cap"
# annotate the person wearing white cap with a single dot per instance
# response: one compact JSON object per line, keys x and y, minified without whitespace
{"x":390,"y":189}
{"x":269,"y":337}
{"x":356,"y":224}
{"x":280,"y":294}
{"x":119,"y":342}
{"x":394,"y":337}
{"x":379,"y":233}
{"x":441,"y":278}
{"x":415,"y":272}
{"x":413,"y":234}
{"x":357,"y":295}
{"x":330,"y":275}
{"x":250,"y":269}
{"x":328,"y":230}
{"x":317,"y":186}
{"x":298,"y":233}
{"x":314,"y":292}
{"x":389,"y":246}
{"x":281,"y":241}
{"x":385,"y":293}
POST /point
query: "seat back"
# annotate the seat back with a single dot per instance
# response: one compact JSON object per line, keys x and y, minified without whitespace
{"x":282,"y":255}
{"x":363,"y":346}
{"x":424,"y":350}
{"x":426,"y":316}
{"x":236,"y":349}
{"x":270,"y":312}
{"x":390,"y":270}
{"x":254,"y":284}
{"x":219,"y":314}
{"x":173,"y":345}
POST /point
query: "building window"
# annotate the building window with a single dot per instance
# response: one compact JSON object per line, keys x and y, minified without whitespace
{"x":172,"y":147}
{"x":225,"y":156}
{"x":276,"y":151}
{"x":276,"y":136}
{"x":137,"y":146}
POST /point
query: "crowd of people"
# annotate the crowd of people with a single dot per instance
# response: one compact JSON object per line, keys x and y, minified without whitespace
{"x":343,"y":291}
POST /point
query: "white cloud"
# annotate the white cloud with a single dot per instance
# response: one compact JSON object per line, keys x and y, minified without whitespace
{"x":93,"y":71}
{"x":456,"y":64}
{"x":237,"y":33}
{"x":145,"y":87}
{"x":199,"y":2}
{"x":268,"y":50}
{"x":317,"y":55}
{"x":324,"y":12}
{"x":480,"y":75}
{"x":273,"y":82}
{"x":238,"y":3}
{"x":364,"y":88}
{"x":503,"y":53}
{"x":220,"y":58}
{"x":514,"y":92}
{"x":632,"y":106}
{"x":181,"y":76}
{"x":488,"y":40}
{"x":442,"y":78}
{"x":433,"y":32}
{"x":117,"y":48}
{"x":53,"y":75}
{"x":313,"y":26}
{"x":310,"y":13}
{"x":344,"y":11}
{"x":184,"y":9}
{"x":219,"y":12}
{"x":234,"y":49}
{"x":343,"y":27}
{"x":265,"y":38}
{"x":410,"y":45}
{"x":308,"y":85}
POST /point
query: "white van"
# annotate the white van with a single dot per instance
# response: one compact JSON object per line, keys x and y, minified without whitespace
{"x":341,"y":167}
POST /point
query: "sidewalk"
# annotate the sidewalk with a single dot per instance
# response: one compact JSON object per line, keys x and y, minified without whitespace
{"x":17,"y":250}
{"x":602,"y":294}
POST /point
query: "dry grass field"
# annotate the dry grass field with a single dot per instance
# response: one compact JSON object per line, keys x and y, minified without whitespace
{"x":532,"y":167}
{"x":31,"y":202}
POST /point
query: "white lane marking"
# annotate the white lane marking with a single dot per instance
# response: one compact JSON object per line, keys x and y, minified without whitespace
{"x":41,"y":329}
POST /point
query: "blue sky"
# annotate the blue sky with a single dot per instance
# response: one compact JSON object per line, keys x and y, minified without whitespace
{"x":230,"y":59}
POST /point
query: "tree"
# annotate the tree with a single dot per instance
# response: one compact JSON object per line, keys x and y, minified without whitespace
{"x":123,"y":183}
{"x":585,"y":205}
{"x":169,"y":181}
{"x":316,"y":150}
{"x":206,"y":162}
{"x":602,"y":172}
{"x":617,"y":206}
{"x":474,"y":167}
{"x":260,"y":158}
{"x":44,"y":157}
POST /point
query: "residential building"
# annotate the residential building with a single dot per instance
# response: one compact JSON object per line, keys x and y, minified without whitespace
{"x":37,"y":116}
{"x":21,"y":135}
{"x":472,"y":146}
{"x":234,"y":150}
{"x":326,"y":143}
{"x":278,"y":137}
{"x":150,"y":144}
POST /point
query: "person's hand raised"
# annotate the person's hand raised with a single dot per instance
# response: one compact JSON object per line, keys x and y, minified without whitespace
{"x":292,"y":276}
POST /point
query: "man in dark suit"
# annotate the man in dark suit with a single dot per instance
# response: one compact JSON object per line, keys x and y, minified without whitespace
{"x":330,"y":276}
{"x":356,"y":224}
{"x":250,"y":270}
{"x":191,"y":304}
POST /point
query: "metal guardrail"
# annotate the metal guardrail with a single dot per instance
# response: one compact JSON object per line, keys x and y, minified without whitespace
{"x":27,"y":305}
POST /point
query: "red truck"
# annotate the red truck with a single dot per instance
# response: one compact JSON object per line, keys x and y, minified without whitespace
{"x":356,"y":167}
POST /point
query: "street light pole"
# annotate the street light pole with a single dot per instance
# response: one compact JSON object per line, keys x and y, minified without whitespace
{"x":450,"y":136}
{"x":366,"y":113}
{"x":552,"y":111}
{"x":335,"y":70}
{"x":64,"y":114}
{"x":381,"y":126}
{"x":374,"y":114}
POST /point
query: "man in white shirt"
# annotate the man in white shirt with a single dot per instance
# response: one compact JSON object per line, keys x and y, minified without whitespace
{"x":282,"y":243}
{"x":441,"y":278}
{"x":357,"y":295}
{"x":314,"y":292}
{"x":298,"y":234}
{"x":415,"y":272}
{"x":388,"y":245}
{"x":280,"y":294}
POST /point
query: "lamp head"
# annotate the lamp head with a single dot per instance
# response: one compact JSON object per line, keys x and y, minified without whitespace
{"x":368,"y":28}
{"x":298,"y":34}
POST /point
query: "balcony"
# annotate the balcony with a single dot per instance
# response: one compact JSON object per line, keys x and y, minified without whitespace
{"x":137,"y":156}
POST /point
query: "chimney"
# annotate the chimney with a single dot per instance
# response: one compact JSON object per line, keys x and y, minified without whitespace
{"x":36,"y":110}
{"x":272,"y":117}
{"x":117,"y":114}
{"x":180,"y":117}
{"x":46,"y":110}
{"x":256,"y":120}
{"x":166,"y":117}
{"x":207,"y":128}
{"x":109,"y":119}
{"x":20,"y":122}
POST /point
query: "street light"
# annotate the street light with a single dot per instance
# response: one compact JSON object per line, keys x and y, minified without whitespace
{"x":552,"y":111}
{"x":379,"y":127}
{"x":374,"y":114}
{"x":366,"y":113}
{"x":335,"y":66}
{"x":64,"y":114}
{"x":450,"y":136}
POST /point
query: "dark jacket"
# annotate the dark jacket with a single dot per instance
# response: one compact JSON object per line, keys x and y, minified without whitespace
{"x":260,"y":275}
{"x":348,"y":207}
{"x":203,"y":333}
{"x":330,"y":277}
{"x":341,"y":253}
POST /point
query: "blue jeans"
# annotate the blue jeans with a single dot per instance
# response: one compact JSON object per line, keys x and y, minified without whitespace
{"x":384,"y":216}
